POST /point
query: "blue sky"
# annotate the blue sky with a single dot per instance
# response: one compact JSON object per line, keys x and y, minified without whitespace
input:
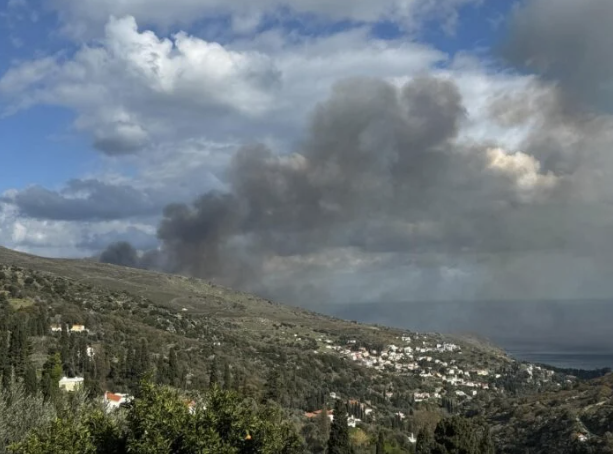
{"x":471,"y":127}
{"x":43,"y":135}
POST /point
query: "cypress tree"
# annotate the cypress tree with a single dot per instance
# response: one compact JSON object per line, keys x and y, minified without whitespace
{"x":338,"y":443}
{"x":52,"y":372}
{"x":425,"y":442}
{"x":5,"y":368}
{"x":30,"y":380}
{"x":162,"y":371}
{"x":7,"y":376}
{"x":273,"y":389}
{"x":237,"y":380}
{"x":18,"y":349}
{"x":64,"y":344}
{"x":214,"y":373}
{"x":130,"y":365}
{"x":142,"y":357}
{"x":487,"y":444}
{"x":227,"y":377}
{"x":323,"y":424}
{"x":380,"y":444}
{"x":174,"y":375}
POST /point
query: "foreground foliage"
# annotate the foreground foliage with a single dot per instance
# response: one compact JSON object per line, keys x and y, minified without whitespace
{"x":159,"y":421}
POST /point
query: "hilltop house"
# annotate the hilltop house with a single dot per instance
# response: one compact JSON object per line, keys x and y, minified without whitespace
{"x":71,"y":384}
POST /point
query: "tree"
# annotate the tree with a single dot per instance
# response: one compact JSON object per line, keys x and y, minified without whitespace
{"x":227,"y":377}
{"x":63,"y":436}
{"x":214,"y":373}
{"x":50,"y":381}
{"x":425,"y":442}
{"x":274,"y":386}
{"x":30,"y":380}
{"x":380,"y":449}
{"x":456,"y":435}
{"x":173,"y":367}
{"x":142,"y":359}
{"x":18,"y":348}
{"x":323,"y":422}
{"x":338,"y":443}
{"x":20,"y":414}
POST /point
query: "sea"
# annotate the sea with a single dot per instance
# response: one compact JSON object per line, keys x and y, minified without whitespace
{"x":565,"y":360}
{"x":567,"y":334}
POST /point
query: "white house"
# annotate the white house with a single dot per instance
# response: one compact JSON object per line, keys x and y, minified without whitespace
{"x":71,"y":384}
{"x":78,"y":329}
{"x":112,"y":401}
{"x":352,"y":421}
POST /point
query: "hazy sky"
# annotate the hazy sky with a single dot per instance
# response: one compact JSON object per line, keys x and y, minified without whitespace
{"x":317,"y":150}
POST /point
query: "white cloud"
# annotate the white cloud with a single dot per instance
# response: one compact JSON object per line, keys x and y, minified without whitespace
{"x":81,"y":17}
{"x":62,"y":238}
{"x":129,"y":90}
{"x":135,"y":89}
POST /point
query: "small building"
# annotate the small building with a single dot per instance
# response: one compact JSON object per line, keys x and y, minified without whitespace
{"x":71,"y":384}
{"x":113,"y":401}
{"x":78,"y":329}
{"x":191,"y":406}
{"x":352,"y":421}
{"x":314,"y":414}
{"x":56,"y":328}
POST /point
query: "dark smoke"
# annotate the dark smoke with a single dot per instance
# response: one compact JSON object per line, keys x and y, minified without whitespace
{"x":380,"y":173}
{"x":121,"y":253}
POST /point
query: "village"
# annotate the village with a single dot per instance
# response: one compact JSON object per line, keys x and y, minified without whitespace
{"x":441,"y":366}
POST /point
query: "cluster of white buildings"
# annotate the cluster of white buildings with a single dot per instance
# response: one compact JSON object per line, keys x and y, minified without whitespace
{"x":417,"y":356}
{"x":73,"y":329}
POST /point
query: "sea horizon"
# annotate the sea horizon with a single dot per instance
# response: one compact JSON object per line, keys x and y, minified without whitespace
{"x":564,"y":334}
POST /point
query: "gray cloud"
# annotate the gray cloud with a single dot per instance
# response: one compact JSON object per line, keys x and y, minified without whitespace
{"x":569,"y":42}
{"x":121,"y":139}
{"x":84,"y":200}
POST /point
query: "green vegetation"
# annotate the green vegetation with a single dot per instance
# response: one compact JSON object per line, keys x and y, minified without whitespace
{"x":258,"y":373}
{"x":159,"y":421}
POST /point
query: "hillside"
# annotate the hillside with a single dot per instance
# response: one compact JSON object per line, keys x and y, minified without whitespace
{"x":189,"y":333}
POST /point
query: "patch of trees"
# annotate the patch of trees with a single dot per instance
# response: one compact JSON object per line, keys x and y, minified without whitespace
{"x":456,"y":435}
{"x":160,"y":421}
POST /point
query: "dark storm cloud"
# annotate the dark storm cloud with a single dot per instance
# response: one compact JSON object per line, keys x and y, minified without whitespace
{"x":569,"y":42}
{"x":84,"y":200}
